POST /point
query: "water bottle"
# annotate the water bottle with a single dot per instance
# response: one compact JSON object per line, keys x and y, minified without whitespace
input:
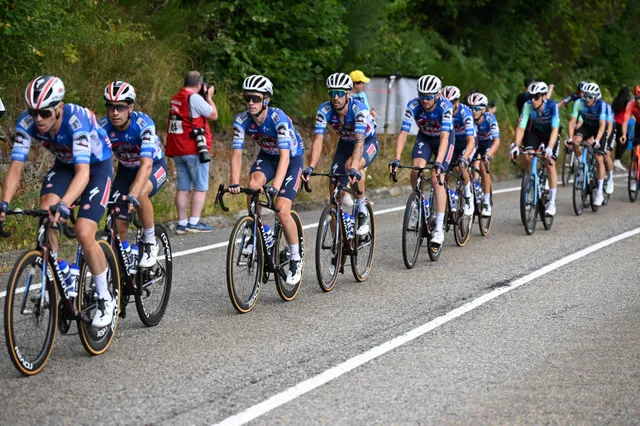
{"x":427,"y":213}
{"x":453,"y":197}
{"x":348,"y":224}
{"x":127,"y":251}
{"x":268,"y":236}
{"x":74,"y":276}
{"x":477,"y":188}
{"x":67,"y":285}
{"x":133,"y":268}
{"x":352,"y":225}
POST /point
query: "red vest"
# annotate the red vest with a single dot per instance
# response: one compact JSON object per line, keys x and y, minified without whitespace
{"x":179,"y":139}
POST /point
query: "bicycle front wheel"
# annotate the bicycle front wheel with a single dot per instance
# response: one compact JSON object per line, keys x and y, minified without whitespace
{"x":412,"y":231}
{"x":282,"y":258}
{"x":154,"y":284}
{"x":96,"y":341}
{"x":578,"y":192}
{"x":566,"y":167}
{"x":29,"y":321}
{"x":462,"y":224}
{"x":528,"y":210}
{"x":362,"y":259}
{"x":245,"y":264}
{"x":484,"y":222}
{"x":328,"y":248}
{"x":632,"y":183}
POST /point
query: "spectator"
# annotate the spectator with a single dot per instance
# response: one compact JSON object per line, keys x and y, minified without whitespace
{"x":191,"y":108}
{"x":619,"y":106}
{"x":359,"y":79}
{"x":524,"y":96}
{"x":492,"y":107}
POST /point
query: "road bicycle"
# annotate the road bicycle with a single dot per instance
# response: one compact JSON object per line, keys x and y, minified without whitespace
{"x":634,"y":174}
{"x":37,"y":304}
{"x":585,"y":183}
{"x":534,"y":193}
{"x":337,"y":238}
{"x":252,"y":254}
{"x":484,"y":222}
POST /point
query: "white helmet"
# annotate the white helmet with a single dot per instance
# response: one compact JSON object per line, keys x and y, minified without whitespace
{"x":538,"y":88}
{"x":120,"y":91}
{"x":429,"y":85}
{"x":45,"y":91}
{"x":339,"y":81}
{"x":258,"y":83}
{"x":591,"y":89}
{"x":451,"y":92}
{"x":478,"y":99}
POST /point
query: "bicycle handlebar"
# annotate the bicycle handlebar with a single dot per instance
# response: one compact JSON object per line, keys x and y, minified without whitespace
{"x":243,"y":190}
{"x":305,"y":183}
{"x":36,"y":213}
{"x":429,"y":166}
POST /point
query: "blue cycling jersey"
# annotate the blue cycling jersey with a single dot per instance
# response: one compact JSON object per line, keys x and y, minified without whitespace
{"x":463,"y":123}
{"x":430,"y":123}
{"x":358,"y":121}
{"x":79,"y":141}
{"x":138,"y":141}
{"x":488,"y":129}
{"x":609,"y":113}
{"x":275,"y":133}
{"x":590,"y":115}
{"x":545,"y":120}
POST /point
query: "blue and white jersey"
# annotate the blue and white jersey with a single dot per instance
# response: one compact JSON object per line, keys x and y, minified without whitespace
{"x":138,"y":141}
{"x":276,"y":133}
{"x":463,"y":123}
{"x":79,"y":141}
{"x":545,"y":120}
{"x":488,"y":129}
{"x":358,"y":121}
{"x":429,"y":123}
{"x":590,"y":115}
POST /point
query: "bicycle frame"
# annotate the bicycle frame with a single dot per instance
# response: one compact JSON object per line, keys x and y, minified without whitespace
{"x":116,"y":243}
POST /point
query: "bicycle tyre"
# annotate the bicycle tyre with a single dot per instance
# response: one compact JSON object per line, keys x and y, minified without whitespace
{"x":484,"y":222}
{"x":356,"y":259}
{"x":633,"y":177}
{"x":241,"y":304}
{"x":96,"y":342}
{"x":34,"y":365}
{"x":153,"y":318}
{"x":283,"y":256}
{"x":329,"y":214}
{"x":410,"y":254}
{"x":462,"y":224}
{"x":592,"y":194}
{"x":565,"y":170}
{"x":527,"y":192}
{"x":433,"y":250}
{"x":578,"y":198}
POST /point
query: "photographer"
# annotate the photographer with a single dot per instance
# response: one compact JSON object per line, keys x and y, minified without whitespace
{"x":189,"y":141}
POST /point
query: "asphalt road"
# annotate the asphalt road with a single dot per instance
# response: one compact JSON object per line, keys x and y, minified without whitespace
{"x":562,"y":347}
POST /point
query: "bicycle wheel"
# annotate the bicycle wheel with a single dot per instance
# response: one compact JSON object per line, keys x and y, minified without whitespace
{"x":566,"y":168}
{"x":288,"y":292}
{"x":593,"y":189}
{"x":434,"y":250}
{"x":633,"y":179}
{"x":244,"y":271}
{"x":528,"y":210}
{"x":578,"y":196}
{"x":462,"y":224}
{"x":362,"y":259}
{"x":30,"y":329}
{"x":97,"y":341}
{"x":484,"y":222}
{"x":154,"y":284}
{"x":411,"y":231}
{"x":328,"y":248}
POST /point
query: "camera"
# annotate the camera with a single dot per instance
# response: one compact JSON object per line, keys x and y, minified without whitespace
{"x":205,"y":88}
{"x":201,"y":142}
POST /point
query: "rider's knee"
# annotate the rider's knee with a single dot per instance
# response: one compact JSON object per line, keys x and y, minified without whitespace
{"x":85,"y":234}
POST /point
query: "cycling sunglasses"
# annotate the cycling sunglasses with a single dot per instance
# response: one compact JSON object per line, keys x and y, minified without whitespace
{"x":427,"y":97}
{"x":43,"y":113}
{"x":338,"y":93}
{"x":589,"y":97}
{"x":478,"y":108}
{"x":536,"y":97}
{"x":253,"y":98}
{"x":119,"y":108}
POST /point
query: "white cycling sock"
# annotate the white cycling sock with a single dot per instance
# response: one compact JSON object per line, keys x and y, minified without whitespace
{"x":467,"y":190}
{"x":149,"y":236}
{"x":295,"y":251}
{"x":600,"y":183}
{"x":362,"y":206}
{"x":194,"y":220}
{"x":610,"y":174}
{"x":101,"y":285}
{"x":552,"y":195}
{"x":439,"y":221}
{"x":487,"y":198}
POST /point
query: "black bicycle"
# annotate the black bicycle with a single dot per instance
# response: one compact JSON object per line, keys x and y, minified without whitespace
{"x":150,"y":287}
{"x":337,"y":238}
{"x":252,"y":255}
{"x":36,"y":303}
{"x":456,"y":202}
{"x":484,"y":222}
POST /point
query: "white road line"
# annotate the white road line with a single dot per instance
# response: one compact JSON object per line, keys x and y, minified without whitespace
{"x":309,"y":226}
{"x":314,"y":382}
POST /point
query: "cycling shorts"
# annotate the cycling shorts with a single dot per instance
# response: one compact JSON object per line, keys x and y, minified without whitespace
{"x":344,"y":150}
{"x":95,"y":196}
{"x":125,"y":177}
{"x":587,"y":132}
{"x":267,"y":164}
{"x":426,"y":147}
{"x":536,"y":138}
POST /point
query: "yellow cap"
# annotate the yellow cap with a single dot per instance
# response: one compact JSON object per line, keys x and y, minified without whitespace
{"x":357,"y":76}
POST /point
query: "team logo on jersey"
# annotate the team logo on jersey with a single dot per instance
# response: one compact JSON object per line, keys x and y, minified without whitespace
{"x":160,"y":175}
{"x":319,"y":119}
{"x":360,"y":119}
{"x":241,"y":118}
{"x":275,"y":117}
{"x":26,"y":122}
{"x":413,"y":104}
{"x":326,"y":109}
{"x":141,"y":122}
{"x":236,"y":132}
{"x":371,"y":150}
{"x":355,"y":108}
{"x":74,"y":123}
{"x":408,"y":115}
{"x":447,"y":115}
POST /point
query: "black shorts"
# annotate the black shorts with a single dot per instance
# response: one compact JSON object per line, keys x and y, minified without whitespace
{"x":536,"y":137}
{"x":587,"y":132}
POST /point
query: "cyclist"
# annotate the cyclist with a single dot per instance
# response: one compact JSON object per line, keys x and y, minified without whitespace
{"x":142,"y":169}
{"x":465,"y":142}
{"x":82,"y":169}
{"x":280,"y":159}
{"x":609,"y":137}
{"x":358,"y":143}
{"x":436,"y":138}
{"x":542,"y":117}
{"x":488,"y":143}
{"x":633,"y":109}
{"x":574,"y":96}
{"x":594,"y":113}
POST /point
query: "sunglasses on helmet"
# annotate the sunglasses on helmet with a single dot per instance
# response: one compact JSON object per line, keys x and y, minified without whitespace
{"x":427,"y":97}
{"x":253,"y":99}
{"x":43,"y":113}
{"x":338,"y":93}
